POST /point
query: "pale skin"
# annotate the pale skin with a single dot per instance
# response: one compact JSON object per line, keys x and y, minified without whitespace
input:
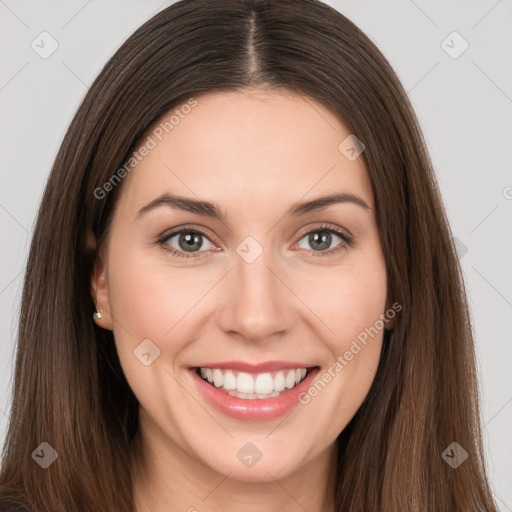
{"x":254,"y":154}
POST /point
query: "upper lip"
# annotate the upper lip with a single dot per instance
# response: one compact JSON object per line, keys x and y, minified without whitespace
{"x":267,"y":366}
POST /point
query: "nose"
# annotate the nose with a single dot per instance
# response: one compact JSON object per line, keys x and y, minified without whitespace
{"x":257,"y":303}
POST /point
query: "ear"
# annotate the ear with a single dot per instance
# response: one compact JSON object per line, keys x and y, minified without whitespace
{"x":99,"y":287}
{"x":389,"y":321}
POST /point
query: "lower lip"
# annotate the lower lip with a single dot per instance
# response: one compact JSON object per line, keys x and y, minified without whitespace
{"x":253,"y":409}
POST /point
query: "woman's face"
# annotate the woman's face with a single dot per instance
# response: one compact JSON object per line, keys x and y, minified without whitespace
{"x":252,"y":292}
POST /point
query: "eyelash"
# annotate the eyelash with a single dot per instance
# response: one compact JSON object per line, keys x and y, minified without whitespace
{"x":347,"y":240}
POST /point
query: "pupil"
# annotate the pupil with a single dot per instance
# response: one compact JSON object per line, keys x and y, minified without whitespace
{"x":190,"y":240}
{"x":323,"y":236}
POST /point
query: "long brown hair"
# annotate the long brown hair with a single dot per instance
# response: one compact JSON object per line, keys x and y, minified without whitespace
{"x":69,"y":389}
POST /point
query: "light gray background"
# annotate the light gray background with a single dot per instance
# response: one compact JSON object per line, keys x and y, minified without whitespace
{"x":464,"y":105}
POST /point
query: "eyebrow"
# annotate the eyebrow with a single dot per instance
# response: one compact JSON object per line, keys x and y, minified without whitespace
{"x":209,"y":209}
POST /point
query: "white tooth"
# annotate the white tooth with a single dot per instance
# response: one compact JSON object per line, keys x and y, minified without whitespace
{"x":279,"y":382}
{"x":237,"y":394}
{"x":218,"y":378}
{"x":264,"y":384}
{"x":229,"y":380}
{"x":290,"y":379}
{"x":245,"y":383}
{"x":252,"y":396}
{"x":246,"y":386}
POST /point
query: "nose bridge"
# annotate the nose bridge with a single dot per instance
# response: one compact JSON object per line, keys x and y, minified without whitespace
{"x":255,"y":280}
{"x":258,"y":303}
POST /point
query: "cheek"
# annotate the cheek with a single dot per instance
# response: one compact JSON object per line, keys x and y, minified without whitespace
{"x":157,"y":301}
{"x":360,"y":302}
{"x":351,"y":303}
{"x":148,"y":300}
{"x":348,"y":299}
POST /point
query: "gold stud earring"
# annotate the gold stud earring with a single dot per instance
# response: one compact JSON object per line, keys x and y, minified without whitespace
{"x":98,"y":314}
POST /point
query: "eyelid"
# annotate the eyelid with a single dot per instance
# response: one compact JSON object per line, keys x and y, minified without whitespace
{"x":186,"y":227}
{"x":326,"y":226}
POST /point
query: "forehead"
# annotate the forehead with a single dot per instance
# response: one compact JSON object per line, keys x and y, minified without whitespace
{"x":248,"y":149}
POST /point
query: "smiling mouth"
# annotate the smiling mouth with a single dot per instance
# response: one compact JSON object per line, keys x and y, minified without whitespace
{"x":246,"y":385}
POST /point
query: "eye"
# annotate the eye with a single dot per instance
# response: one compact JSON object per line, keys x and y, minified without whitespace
{"x":321,"y":238}
{"x":190,"y":243}
{"x":184,"y":243}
